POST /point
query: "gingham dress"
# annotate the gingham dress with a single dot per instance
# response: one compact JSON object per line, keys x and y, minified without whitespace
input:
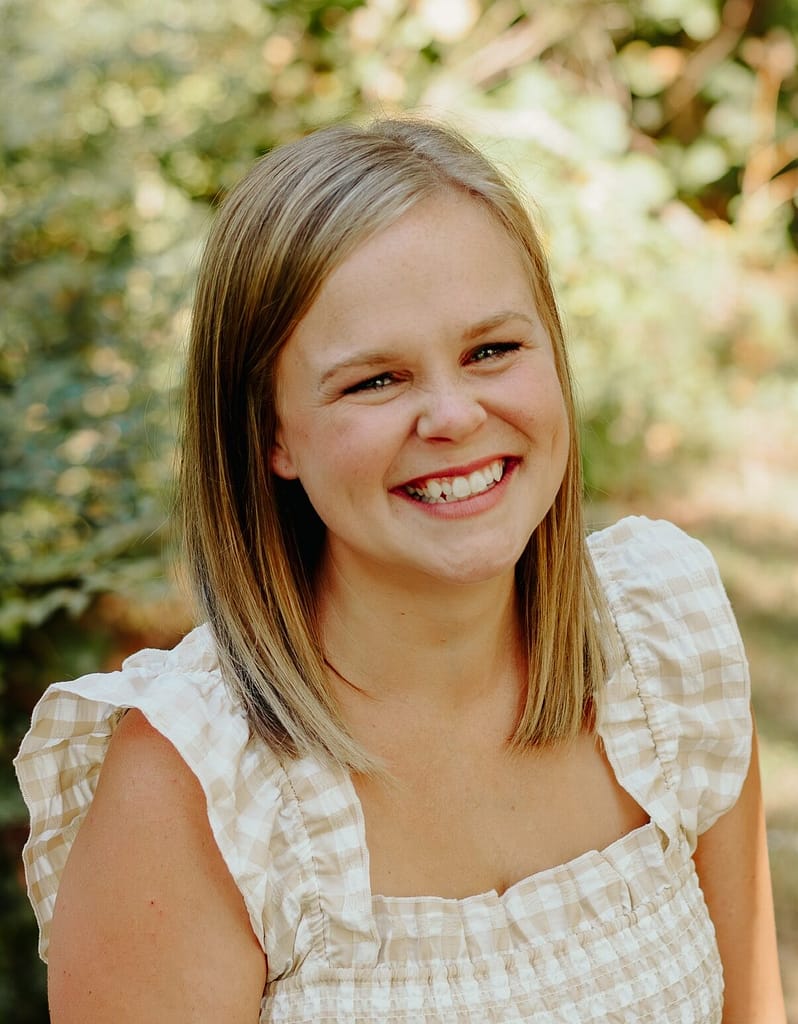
{"x":620,"y":935}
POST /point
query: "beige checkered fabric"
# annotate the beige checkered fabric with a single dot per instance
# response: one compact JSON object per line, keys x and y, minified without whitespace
{"x":616,"y":936}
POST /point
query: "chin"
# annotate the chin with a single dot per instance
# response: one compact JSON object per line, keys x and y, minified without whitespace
{"x":475,"y":572}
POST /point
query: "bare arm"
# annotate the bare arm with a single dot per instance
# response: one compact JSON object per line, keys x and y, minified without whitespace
{"x":149,"y":927}
{"x":732,"y":864}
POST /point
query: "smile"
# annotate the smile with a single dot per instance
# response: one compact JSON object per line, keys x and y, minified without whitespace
{"x":439,"y":490}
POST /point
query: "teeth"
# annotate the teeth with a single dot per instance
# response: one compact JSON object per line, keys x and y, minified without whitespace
{"x":439,"y":489}
{"x":478,"y":481}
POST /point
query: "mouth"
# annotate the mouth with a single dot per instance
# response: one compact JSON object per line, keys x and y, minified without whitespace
{"x":448,"y":490}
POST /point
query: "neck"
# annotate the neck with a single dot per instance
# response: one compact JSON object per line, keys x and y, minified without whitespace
{"x":418,"y":641}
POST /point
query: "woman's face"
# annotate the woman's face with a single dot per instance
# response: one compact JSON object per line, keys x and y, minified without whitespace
{"x":419,"y":405}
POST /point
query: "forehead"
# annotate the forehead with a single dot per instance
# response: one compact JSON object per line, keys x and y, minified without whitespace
{"x":447,"y":263}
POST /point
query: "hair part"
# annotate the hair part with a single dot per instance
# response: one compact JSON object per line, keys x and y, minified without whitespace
{"x":252,"y":541}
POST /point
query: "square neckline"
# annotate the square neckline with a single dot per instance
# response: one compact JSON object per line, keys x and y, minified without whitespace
{"x":593,"y":855}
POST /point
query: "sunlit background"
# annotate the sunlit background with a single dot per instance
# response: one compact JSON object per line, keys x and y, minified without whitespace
{"x":659,"y":139}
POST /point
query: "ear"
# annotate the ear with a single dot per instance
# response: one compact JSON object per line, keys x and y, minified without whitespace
{"x":282,"y":464}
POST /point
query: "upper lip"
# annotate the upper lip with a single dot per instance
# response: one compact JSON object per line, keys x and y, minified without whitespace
{"x":452,"y":471}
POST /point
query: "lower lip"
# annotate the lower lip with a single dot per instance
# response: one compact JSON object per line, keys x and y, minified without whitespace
{"x":467,"y":506}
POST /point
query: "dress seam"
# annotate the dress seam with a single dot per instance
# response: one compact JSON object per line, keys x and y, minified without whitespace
{"x":300,"y":814}
{"x":628,"y":649}
{"x":399,"y":970}
{"x":583,"y":988}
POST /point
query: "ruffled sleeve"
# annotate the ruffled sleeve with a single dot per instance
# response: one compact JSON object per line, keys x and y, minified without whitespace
{"x":676,"y":718}
{"x":182,"y":695}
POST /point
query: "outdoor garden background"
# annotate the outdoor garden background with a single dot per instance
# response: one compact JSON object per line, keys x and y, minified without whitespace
{"x":660,"y":140}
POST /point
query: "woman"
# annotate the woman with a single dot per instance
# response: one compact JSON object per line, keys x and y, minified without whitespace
{"x":375,"y":785}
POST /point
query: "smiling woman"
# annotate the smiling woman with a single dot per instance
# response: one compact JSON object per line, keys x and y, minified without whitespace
{"x":368,"y":447}
{"x":436,"y":755}
{"x":359,"y":207}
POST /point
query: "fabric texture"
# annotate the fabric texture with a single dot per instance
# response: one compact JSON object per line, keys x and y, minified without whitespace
{"x":618,"y":935}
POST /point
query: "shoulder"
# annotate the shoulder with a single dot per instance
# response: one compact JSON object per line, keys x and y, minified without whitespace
{"x":179,"y":739}
{"x":653,"y":554}
{"x":133,"y":927}
{"x":143,"y":772}
{"x":676,"y":713}
{"x":665,"y":592}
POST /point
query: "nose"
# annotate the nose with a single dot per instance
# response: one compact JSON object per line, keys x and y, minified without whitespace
{"x":449,"y":412}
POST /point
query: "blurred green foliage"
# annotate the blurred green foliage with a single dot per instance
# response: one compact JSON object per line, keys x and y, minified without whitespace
{"x":659,"y":138}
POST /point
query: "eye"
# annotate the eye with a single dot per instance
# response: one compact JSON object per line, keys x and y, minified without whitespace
{"x":494,"y":350}
{"x":378,"y":383}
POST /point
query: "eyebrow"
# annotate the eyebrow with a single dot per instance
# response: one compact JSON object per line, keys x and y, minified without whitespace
{"x":473,"y":333}
{"x":477,"y":330}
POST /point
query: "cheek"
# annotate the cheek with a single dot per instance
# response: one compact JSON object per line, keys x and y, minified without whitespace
{"x":562,"y":431}
{"x":546,"y":416}
{"x":361,"y":439}
{"x":334,"y":458}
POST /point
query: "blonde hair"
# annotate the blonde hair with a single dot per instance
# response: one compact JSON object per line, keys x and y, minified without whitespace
{"x":252,"y":540}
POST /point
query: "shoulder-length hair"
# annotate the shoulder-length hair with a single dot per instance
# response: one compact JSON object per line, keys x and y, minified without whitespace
{"x":252,"y":540}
